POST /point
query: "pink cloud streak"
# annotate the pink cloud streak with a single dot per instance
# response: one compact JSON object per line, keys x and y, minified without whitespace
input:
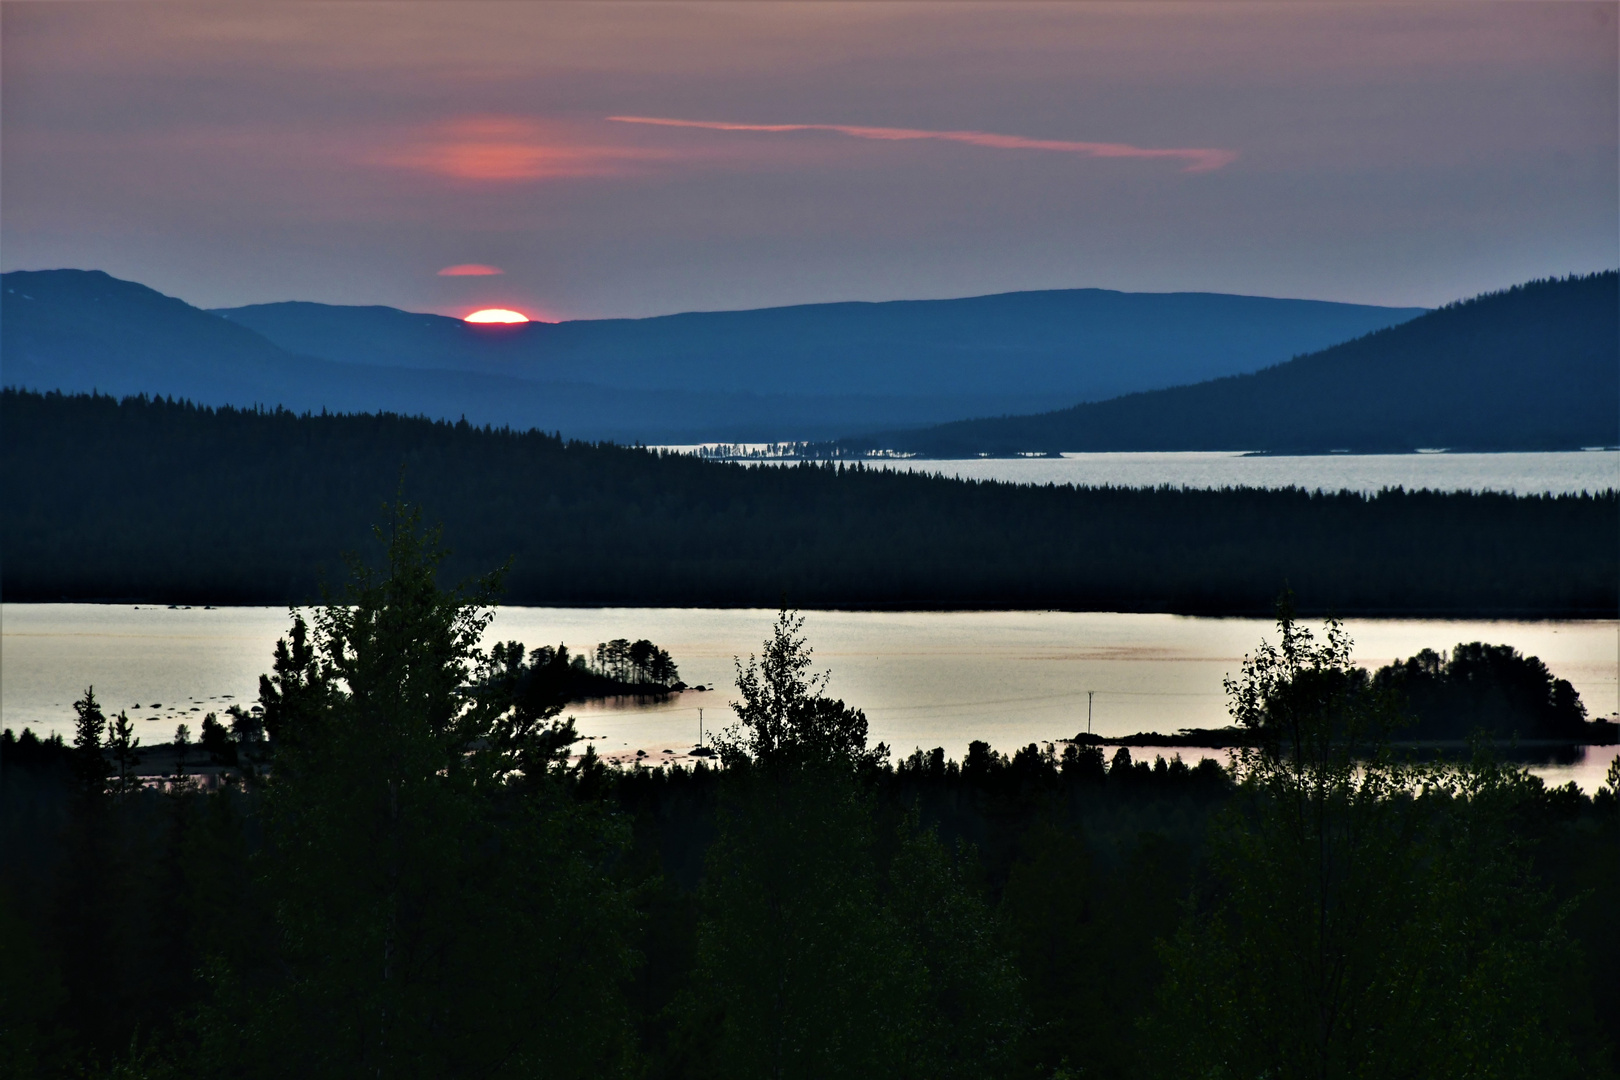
{"x":497,"y":148}
{"x":1199,"y":159}
{"x":470,"y":270}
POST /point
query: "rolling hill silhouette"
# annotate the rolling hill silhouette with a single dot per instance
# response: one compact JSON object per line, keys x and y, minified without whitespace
{"x":809,"y":372}
{"x":79,"y":330}
{"x":1536,"y":367}
{"x":1013,"y":350}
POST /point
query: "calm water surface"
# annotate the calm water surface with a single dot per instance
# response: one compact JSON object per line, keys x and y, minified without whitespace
{"x":924,"y":679}
{"x":1523,"y":474}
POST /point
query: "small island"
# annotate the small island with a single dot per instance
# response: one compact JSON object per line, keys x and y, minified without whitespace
{"x":1444,"y":703}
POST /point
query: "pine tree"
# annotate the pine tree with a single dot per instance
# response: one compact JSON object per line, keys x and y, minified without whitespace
{"x":182,"y":743}
{"x":89,"y":757}
{"x":85,"y":908}
{"x":123,"y":745}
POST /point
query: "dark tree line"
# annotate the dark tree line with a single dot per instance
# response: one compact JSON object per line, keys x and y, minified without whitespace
{"x":163,"y":501}
{"x":635,"y":662}
{"x":1480,"y":690}
{"x":421,"y":879}
{"x":1483,"y":688}
{"x":617,"y":668}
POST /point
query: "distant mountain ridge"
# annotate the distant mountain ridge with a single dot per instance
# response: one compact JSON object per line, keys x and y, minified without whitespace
{"x":809,"y":372}
{"x":83,"y":330}
{"x":1003,"y":351}
{"x":1534,"y":367}
{"x":79,"y":330}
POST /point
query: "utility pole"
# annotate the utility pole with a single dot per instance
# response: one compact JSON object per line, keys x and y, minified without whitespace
{"x":700,"y":727}
{"x":1088,"y":710}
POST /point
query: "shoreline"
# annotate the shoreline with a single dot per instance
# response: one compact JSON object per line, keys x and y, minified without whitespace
{"x":1465,"y":614}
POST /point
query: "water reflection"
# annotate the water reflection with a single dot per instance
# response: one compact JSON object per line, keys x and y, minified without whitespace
{"x":925,"y":679}
{"x":1520,"y":473}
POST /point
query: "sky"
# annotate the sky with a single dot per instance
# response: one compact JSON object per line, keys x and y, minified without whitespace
{"x":638,"y":159}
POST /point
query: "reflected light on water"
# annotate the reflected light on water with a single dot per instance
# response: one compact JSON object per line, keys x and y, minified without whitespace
{"x":1559,"y":472}
{"x":924,"y":679}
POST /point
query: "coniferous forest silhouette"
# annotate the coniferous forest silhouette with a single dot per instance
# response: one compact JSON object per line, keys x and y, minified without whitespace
{"x":161,"y":501}
{"x":384,"y":386}
{"x":416,"y":872}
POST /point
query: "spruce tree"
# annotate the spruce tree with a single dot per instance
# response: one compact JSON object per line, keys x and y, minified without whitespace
{"x":123,"y":745}
{"x":89,"y":757}
{"x":85,"y":908}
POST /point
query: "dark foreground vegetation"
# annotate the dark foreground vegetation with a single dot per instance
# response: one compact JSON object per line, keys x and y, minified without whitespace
{"x":417,"y":879}
{"x":156,"y":501}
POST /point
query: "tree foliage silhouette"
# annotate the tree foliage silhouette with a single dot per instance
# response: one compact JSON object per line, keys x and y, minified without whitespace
{"x":1367,"y":916}
{"x":443,"y":900}
{"x":833,"y":945}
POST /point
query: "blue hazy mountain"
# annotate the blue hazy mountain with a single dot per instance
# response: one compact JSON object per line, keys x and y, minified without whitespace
{"x":1535,"y":367}
{"x":811,"y":372}
{"x":77,"y":330}
{"x":1011,"y":351}
{"x":82,"y":330}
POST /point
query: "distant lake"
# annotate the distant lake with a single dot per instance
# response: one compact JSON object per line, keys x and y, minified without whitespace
{"x":1519,"y":473}
{"x":924,"y":679}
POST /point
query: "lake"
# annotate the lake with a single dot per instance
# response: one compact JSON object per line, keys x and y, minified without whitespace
{"x":924,"y":679}
{"x":1518,"y":473}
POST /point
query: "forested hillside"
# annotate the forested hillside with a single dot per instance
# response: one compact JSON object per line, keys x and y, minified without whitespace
{"x":170,"y":502}
{"x":1536,"y":367}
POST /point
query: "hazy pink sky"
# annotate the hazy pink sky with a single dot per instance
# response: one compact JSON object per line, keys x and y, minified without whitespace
{"x":350,"y":152}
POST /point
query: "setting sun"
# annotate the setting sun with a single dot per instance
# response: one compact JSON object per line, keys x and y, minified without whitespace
{"x":496,"y":315}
